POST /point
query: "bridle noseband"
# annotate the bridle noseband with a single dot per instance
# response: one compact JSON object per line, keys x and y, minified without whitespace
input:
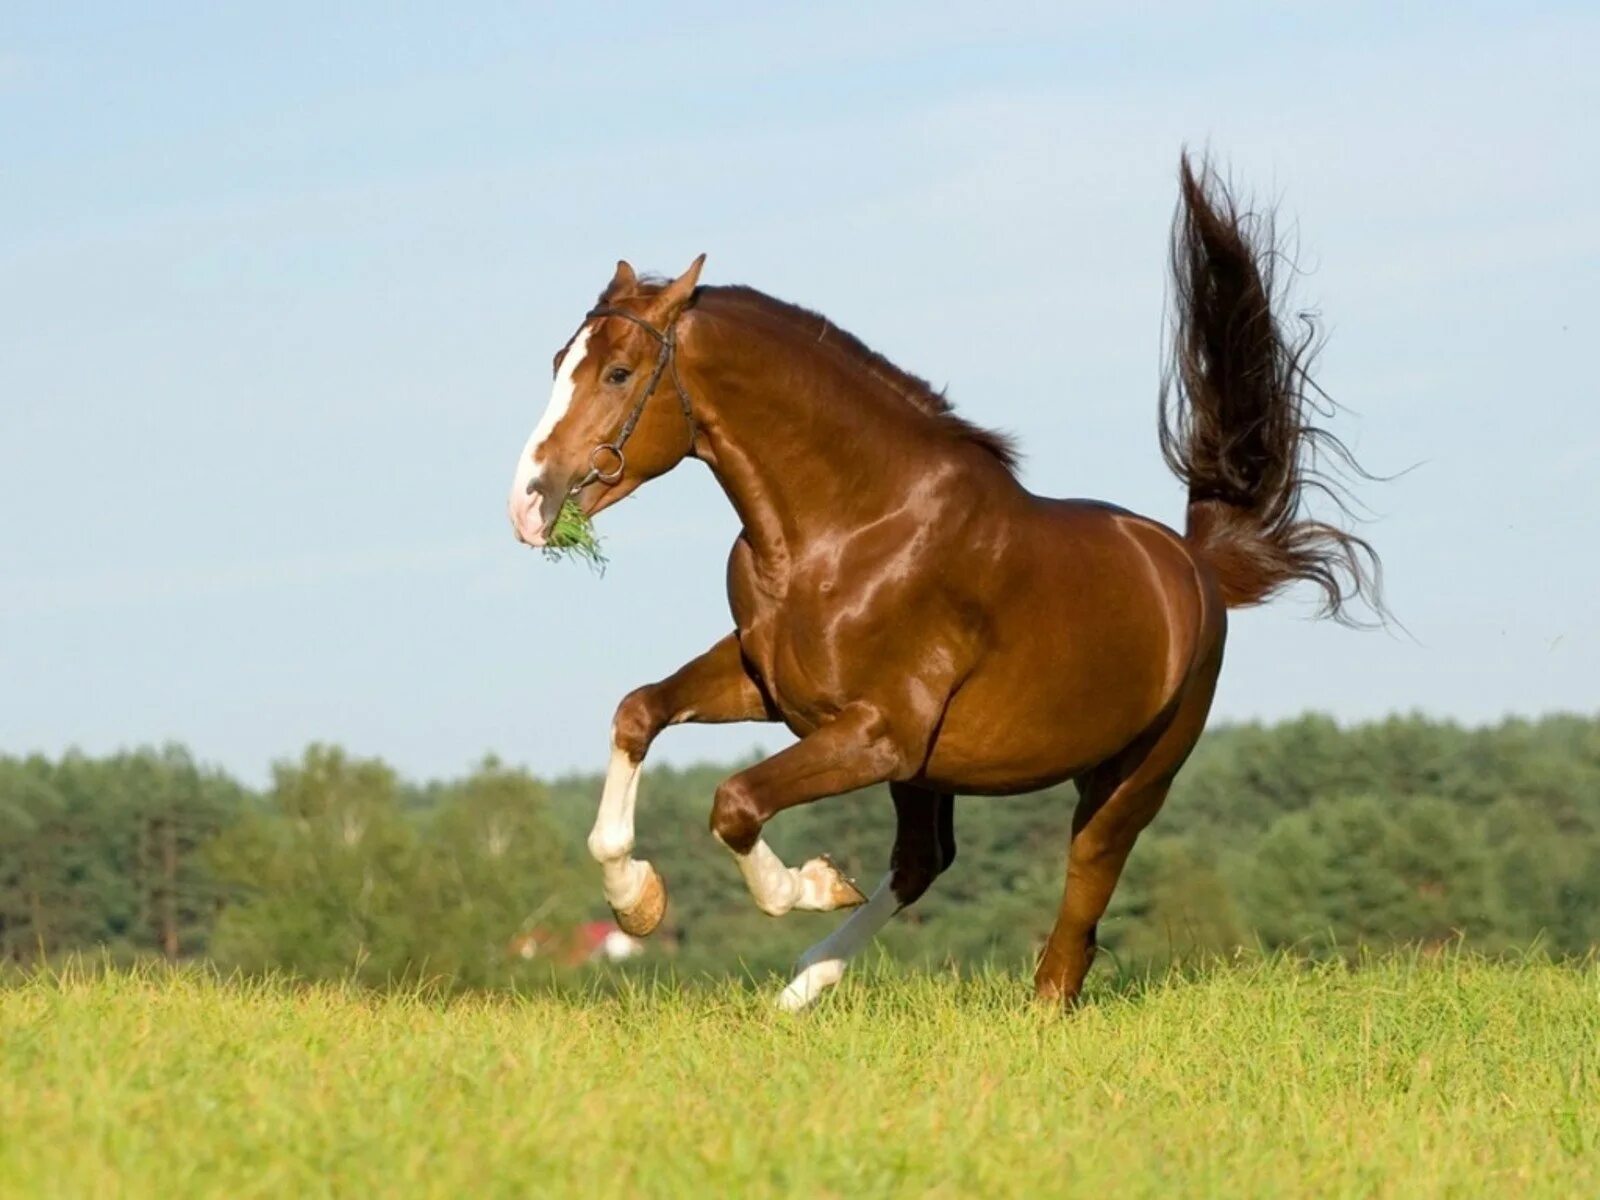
{"x":666,"y":357}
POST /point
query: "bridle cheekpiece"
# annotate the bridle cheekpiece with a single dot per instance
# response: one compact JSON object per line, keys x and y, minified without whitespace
{"x":666,"y":358}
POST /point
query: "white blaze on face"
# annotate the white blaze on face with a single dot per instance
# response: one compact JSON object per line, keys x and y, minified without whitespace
{"x":527,"y":511}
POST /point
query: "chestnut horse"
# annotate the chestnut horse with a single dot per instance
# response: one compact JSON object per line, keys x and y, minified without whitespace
{"x":906,"y":608}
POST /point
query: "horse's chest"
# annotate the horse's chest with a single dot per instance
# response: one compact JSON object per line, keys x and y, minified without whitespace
{"x":793,"y":649}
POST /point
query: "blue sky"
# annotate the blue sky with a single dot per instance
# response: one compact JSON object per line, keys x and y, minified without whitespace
{"x":278,"y":295}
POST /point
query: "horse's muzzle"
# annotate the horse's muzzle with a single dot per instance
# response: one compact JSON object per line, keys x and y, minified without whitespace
{"x":533,"y":513}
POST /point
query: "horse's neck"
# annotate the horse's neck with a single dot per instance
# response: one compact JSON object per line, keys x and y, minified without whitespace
{"x":795,"y":456}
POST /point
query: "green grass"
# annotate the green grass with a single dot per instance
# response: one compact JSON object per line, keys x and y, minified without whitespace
{"x":573,"y":535}
{"x":1410,"y":1076}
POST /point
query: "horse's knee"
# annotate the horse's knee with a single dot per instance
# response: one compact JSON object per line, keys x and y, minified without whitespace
{"x":908,"y":880}
{"x":736,"y":815}
{"x":637,"y":722}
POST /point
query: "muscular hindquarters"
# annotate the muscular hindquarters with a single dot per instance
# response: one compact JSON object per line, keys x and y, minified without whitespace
{"x":1095,"y":621}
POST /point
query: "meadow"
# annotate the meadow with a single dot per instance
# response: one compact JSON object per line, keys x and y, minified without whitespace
{"x":1410,"y":1074}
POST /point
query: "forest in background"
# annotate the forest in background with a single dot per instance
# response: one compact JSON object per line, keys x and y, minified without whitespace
{"x":1301,"y":834}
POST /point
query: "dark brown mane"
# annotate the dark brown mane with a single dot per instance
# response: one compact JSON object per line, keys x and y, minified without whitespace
{"x":814,"y":330}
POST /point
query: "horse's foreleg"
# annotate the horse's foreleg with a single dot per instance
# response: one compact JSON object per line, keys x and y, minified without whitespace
{"x":852,"y":751}
{"x":715,"y":687}
{"x":924,"y":847}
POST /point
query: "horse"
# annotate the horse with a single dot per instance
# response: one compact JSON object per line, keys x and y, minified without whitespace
{"x":912,"y":613}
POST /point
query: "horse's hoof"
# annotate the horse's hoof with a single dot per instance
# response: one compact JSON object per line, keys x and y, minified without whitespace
{"x":824,"y":888}
{"x":641,"y":917}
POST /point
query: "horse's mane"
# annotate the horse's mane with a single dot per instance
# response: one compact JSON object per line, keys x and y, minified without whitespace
{"x":812,"y":330}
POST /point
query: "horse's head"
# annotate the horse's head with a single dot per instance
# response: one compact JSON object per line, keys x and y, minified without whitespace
{"x":616,"y":415}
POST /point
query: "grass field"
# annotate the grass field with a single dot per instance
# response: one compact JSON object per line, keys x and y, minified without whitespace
{"x":1408,"y":1077}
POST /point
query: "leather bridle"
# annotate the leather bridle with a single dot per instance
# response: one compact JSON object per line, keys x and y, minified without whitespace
{"x":666,"y":358}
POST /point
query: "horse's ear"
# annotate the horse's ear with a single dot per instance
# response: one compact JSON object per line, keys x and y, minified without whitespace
{"x":623,"y":282}
{"x":677,"y":293}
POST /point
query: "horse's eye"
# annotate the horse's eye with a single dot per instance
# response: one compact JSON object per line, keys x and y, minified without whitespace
{"x":618,"y":375}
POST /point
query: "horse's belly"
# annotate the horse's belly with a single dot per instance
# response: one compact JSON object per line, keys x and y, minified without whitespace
{"x":1006,"y":739}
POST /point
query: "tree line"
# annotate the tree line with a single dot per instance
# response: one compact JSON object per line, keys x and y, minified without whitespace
{"x":1301,"y":834}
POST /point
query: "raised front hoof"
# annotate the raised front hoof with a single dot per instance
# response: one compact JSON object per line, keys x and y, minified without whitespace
{"x":825,"y":888}
{"x":641,"y":918}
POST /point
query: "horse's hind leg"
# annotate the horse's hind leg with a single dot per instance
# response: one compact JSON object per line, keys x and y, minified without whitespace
{"x":1116,"y":801}
{"x":1105,"y":826}
{"x":924,"y":847}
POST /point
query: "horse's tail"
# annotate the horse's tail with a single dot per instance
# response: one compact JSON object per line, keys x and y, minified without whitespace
{"x":1237,"y":409}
